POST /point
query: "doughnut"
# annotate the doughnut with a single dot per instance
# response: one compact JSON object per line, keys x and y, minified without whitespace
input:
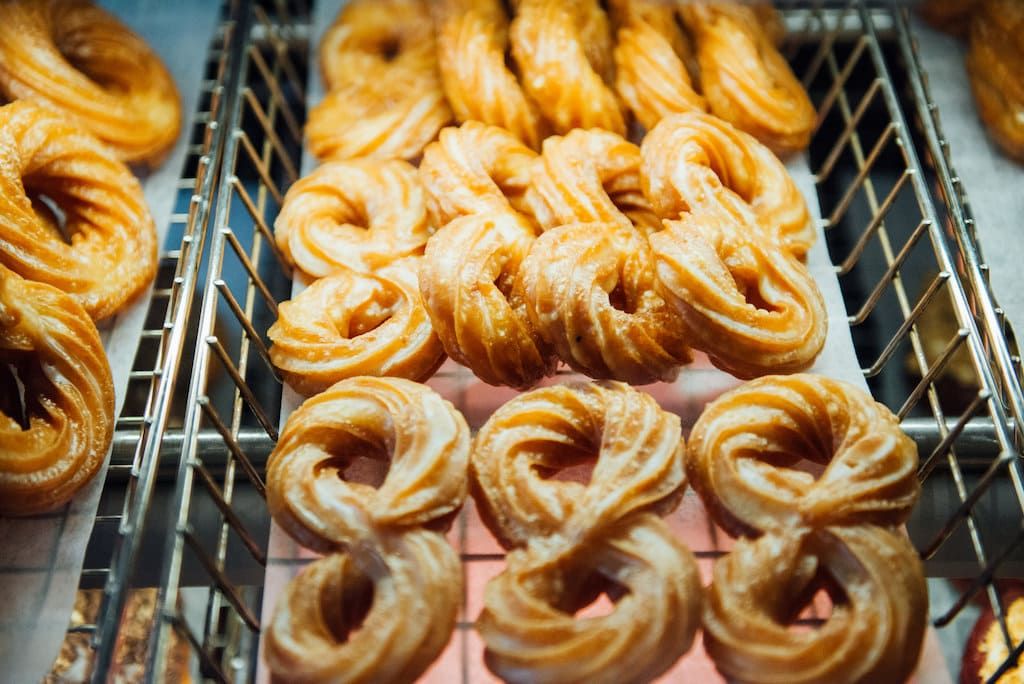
{"x":472,"y":41}
{"x":353,"y":323}
{"x":475,"y":168}
{"x":360,"y":214}
{"x":995,"y":61}
{"x":383,"y":545}
{"x":590,"y":177}
{"x":75,"y":58}
{"x":111,"y":255}
{"x":745,"y":79}
{"x":385,"y":100}
{"x":564,"y":55}
{"x":836,"y":530}
{"x":468,"y":283}
{"x":53,"y":448}
{"x":745,"y":299}
{"x":571,"y":541}
{"x":692,"y":152}
{"x":651,"y":56}
{"x":951,"y":16}
{"x":590,"y":291}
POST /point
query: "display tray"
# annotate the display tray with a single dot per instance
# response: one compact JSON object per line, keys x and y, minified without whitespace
{"x":902,"y":320}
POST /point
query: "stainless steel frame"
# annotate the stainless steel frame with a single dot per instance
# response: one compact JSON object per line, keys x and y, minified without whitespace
{"x":931,"y":340}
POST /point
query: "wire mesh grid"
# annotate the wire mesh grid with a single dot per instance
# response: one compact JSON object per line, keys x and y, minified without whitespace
{"x":920,"y":317}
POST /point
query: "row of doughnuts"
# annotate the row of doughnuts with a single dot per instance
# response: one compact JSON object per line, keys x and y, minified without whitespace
{"x":77,"y":241}
{"x":570,"y":541}
{"x":558,"y":255}
{"x":394,"y":81}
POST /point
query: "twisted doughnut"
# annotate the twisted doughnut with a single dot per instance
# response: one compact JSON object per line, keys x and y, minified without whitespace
{"x":74,"y":57}
{"x":808,"y":532}
{"x":572,"y":541}
{"x":352,"y":324}
{"x":995,"y":60}
{"x":472,"y":40}
{"x":69,"y":397}
{"x":564,"y":54}
{"x":379,"y":105}
{"x":651,"y":54}
{"x":590,"y":177}
{"x":360,"y":214}
{"x":111,"y":255}
{"x":745,"y":79}
{"x":746,"y":301}
{"x":590,"y":291}
{"x":475,"y":168}
{"x":381,"y":540}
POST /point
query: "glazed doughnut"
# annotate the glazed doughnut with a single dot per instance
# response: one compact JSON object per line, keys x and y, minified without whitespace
{"x":360,"y":214}
{"x":590,"y":177}
{"x":745,"y":79}
{"x":472,"y":40}
{"x":111,"y":257}
{"x":468,"y":283}
{"x":746,"y":301}
{"x":571,"y":540}
{"x":475,"y":168}
{"x":651,"y":55}
{"x":995,"y":62}
{"x":382,"y":541}
{"x":694,"y":152}
{"x":564,"y":54}
{"x":74,"y":57}
{"x":590,"y":291}
{"x":59,"y":444}
{"x":743,"y":461}
{"x":352,"y":323}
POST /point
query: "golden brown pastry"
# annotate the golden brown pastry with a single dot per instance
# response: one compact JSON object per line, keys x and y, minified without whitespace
{"x":745,"y":79}
{"x":951,"y":16}
{"x":572,"y":541}
{"x":352,"y":323}
{"x":111,"y":255}
{"x":472,"y":41}
{"x":746,"y":301}
{"x":385,"y":99}
{"x":360,"y":214}
{"x":56,"y":445}
{"x":836,"y":530}
{"x":995,"y":64}
{"x":468,"y":283}
{"x":589,"y":177}
{"x":74,"y":57}
{"x":564,"y":54}
{"x":384,"y":550}
{"x":651,"y":55}
{"x":475,"y":168}
{"x":590,"y":291}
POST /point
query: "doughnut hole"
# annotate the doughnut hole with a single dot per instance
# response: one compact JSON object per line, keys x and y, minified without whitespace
{"x":12,"y":395}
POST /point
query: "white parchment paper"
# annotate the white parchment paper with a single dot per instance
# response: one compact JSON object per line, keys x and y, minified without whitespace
{"x":41,"y":557}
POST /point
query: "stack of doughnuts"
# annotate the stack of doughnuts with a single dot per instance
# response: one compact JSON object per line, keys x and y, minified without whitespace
{"x":77,"y":241}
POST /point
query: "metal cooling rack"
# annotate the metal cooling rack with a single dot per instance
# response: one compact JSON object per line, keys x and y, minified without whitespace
{"x":930,"y":339}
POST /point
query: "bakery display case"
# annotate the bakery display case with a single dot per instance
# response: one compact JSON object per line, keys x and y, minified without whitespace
{"x":182,"y":527}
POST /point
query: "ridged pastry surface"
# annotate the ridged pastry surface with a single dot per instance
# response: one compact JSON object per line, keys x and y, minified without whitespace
{"x":74,"y":57}
{"x":745,"y":79}
{"x":995,"y":64}
{"x":383,"y":542}
{"x":472,"y":41}
{"x":572,"y":540}
{"x":833,"y":528}
{"x":111,"y":255}
{"x":360,"y":214}
{"x":353,"y":323}
{"x":56,"y":448}
{"x":564,"y":54}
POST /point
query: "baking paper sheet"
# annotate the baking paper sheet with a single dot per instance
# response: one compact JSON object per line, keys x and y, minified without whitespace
{"x":697,"y":384}
{"x":41,"y":557}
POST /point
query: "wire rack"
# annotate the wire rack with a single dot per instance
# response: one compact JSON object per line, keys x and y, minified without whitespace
{"x":930,"y":339}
